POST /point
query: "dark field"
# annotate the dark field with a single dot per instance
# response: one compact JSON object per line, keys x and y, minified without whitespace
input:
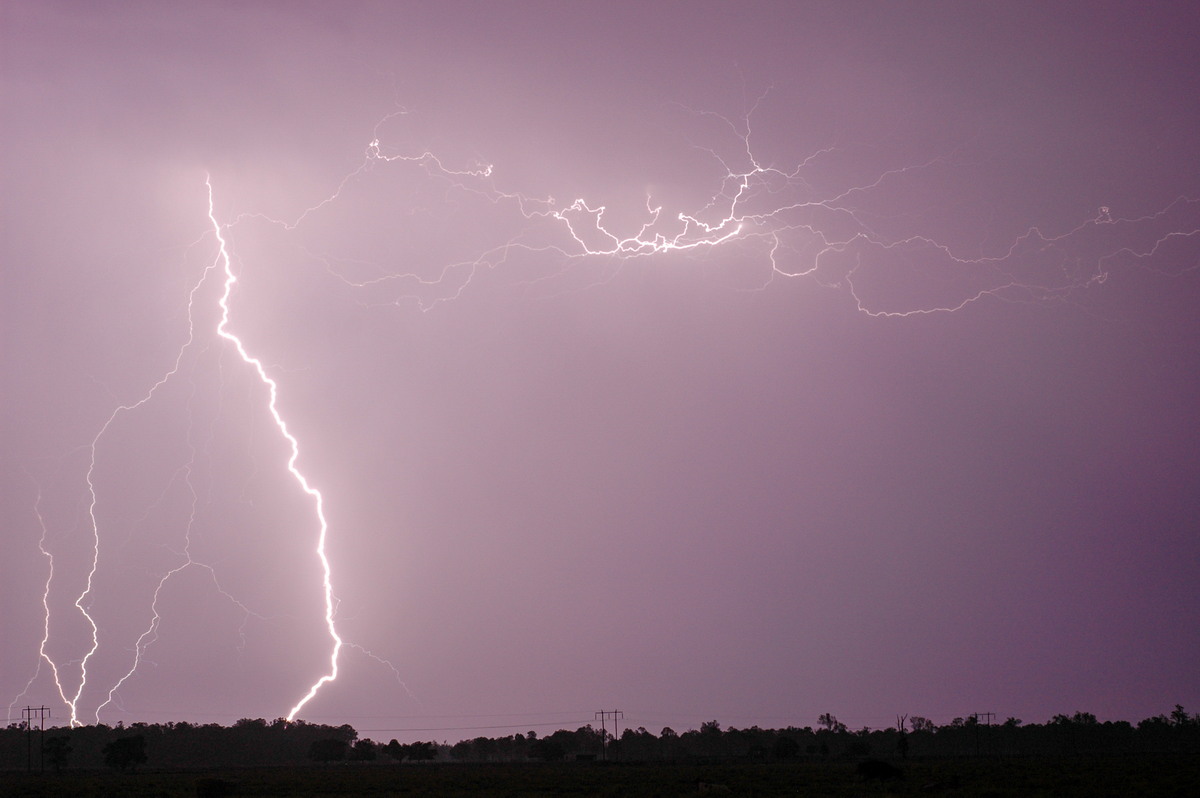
{"x":1177,"y":775}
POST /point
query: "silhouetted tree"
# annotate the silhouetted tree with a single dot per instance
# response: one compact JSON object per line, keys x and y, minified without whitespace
{"x":920,"y":724}
{"x":831,"y":723}
{"x":329,"y":749}
{"x":639,"y":745}
{"x":547,"y":749}
{"x":395,"y":750}
{"x":125,"y":753}
{"x":57,"y":751}
{"x":785,"y":748}
{"x":422,"y":752}
{"x":1078,"y":719}
{"x":484,"y":748}
{"x":860,"y":745}
{"x":362,"y":751}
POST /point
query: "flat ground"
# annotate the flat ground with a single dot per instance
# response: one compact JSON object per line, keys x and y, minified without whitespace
{"x":1177,"y":775}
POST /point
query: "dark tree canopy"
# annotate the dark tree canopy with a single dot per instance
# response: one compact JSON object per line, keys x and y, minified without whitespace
{"x":330,"y":749}
{"x":57,"y":751}
{"x":126,"y":753}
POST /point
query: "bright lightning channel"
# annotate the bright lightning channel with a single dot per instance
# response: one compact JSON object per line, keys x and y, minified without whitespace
{"x":273,"y":406}
{"x":42,"y":655}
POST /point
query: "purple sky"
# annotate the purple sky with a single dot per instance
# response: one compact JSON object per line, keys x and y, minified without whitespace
{"x":753,"y":481}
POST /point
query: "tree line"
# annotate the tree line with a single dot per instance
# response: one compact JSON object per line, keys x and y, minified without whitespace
{"x":168,"y":745}
{"x":1080,"y":733}
{"x":254,"y":742}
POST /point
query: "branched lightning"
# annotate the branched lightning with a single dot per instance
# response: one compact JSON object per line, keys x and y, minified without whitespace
{"x":387,"y":664}
{"x":93,"y":499}
{"x":747,"y":206}
{"x":774,"y":211}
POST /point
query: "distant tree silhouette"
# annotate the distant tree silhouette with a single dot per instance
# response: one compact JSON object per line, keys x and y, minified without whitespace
{"x":484,"y":748}
{"x":785,"y":748}
{"x":920,"y":724}
{"x":639,"y":745}
{"x":125,"y":753}
{"x":547,"y":749}
{"x":422,"y":752}
{"x":1078,"y":719}
{"x":859,"y":745}
{"x":831,"y":723}
{"x":395,"y":750}
{"x":362,"y":751}
{"x":57,"y":751}
{"x":329,"y":749}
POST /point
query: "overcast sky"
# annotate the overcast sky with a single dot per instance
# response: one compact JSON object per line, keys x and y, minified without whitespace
{"x":904,"y":420}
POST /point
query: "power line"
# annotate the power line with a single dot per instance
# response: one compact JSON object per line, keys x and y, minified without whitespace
{"x":559,"y":724}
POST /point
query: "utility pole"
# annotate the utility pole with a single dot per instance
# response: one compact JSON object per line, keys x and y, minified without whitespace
{"x":977,"y":716}
{"x":27,"y":713}
{"x":603,"y":715}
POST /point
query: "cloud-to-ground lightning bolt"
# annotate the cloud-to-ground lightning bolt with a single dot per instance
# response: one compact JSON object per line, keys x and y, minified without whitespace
{"x":72,"y":700}
{"x":752,"y":202}
{"x":42,"y":655}
{"x":273,"y":405}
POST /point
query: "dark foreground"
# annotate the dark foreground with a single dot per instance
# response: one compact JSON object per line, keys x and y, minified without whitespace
{"x":1174,"y":775}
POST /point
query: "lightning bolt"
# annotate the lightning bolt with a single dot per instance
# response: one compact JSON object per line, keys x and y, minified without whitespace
{"x":42,"y":655}
{"x":301,"y":480}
